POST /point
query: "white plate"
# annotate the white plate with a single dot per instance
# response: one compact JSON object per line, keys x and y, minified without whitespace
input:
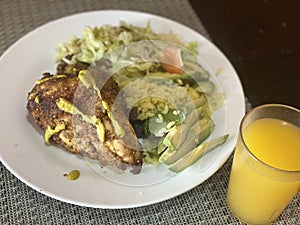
{"x":22,"y":149}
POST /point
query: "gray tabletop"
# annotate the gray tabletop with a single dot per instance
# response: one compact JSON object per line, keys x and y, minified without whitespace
{"x":19,"y":204}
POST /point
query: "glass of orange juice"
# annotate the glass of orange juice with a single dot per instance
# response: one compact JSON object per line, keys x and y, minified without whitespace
{"x":265,"y":174}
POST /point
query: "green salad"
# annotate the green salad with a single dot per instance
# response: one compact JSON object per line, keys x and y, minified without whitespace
{"x":169,"y":95}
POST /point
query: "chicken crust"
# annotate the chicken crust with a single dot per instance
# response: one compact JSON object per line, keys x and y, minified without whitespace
{"x":93,"y":122}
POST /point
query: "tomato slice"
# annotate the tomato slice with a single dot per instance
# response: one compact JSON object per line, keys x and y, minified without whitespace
{"x":170,"y":68}
{"x":170,"y":58}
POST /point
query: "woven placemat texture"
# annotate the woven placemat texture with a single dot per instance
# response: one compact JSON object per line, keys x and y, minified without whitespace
{"x":19,"y":204}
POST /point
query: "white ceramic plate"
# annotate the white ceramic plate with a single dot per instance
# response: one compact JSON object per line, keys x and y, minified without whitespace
{"x":22,"y":148}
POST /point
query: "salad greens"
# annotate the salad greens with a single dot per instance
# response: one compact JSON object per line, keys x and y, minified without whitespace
{"x":97,"y":41}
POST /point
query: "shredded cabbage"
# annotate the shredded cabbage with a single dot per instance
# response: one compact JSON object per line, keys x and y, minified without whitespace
{"x":97,"y":41}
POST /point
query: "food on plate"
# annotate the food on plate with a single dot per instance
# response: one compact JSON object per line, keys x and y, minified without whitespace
{"x":191,"y":157}
{"x":79,"y":112}
{"x":126,"y":96}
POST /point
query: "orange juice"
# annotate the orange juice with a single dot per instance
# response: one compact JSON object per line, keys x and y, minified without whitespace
{"x":258,"y":193}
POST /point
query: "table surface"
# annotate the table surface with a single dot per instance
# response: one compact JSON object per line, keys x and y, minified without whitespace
{"x":261,"y":40}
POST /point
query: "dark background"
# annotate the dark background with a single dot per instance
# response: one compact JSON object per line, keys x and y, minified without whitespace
{"x":262,"y":40}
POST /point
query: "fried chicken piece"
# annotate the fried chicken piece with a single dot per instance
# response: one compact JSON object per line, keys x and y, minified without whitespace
{"x":83,"y":113}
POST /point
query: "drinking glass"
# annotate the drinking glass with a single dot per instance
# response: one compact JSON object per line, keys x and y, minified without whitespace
{"x":259,"y":191}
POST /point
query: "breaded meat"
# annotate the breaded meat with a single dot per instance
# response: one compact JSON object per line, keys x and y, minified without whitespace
{"x":82,"y":112}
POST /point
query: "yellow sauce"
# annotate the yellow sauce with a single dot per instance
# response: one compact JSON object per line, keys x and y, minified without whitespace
{"x":37,"y":99}
{"x":73,"y":175}
{"x":68,"y":107}
{"x":49,"y":78}
{"x":49,"y":132}
{"x":88,"y":81}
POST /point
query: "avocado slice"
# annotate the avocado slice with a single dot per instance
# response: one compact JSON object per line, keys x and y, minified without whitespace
{"x":196,"y":135}
{"x":194,"y":155}
{"x":177,"y":136}
{"x":169,"y":141}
